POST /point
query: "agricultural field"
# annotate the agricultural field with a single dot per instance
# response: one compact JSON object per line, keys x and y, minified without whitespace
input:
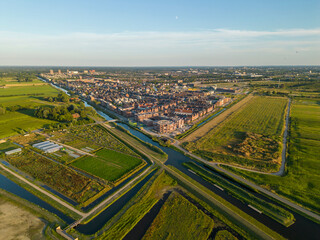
{"x":108,"y":164}
{"x":94,"y":136}
{"x":63,"y":179}
{"x":28,"y":139}
{"x":301,"y":182}
{"x":7,"y":146}
{"x":179,"y":219}
{"x":250,"y":137}
{"x":28,"y":95}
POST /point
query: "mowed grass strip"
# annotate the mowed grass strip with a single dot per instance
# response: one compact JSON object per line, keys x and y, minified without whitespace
{"x":179,"y":219}
{"x":261,"y":116}
{"x":108,"y":164}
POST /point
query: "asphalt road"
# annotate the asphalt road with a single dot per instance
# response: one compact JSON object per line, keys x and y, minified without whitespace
{"x":215,"y":165}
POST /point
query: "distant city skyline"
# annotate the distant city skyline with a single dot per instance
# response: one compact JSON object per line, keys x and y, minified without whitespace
{"x":162,"y":33}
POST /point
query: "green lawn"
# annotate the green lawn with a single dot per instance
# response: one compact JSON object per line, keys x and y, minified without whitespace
{"x":180,"y":219}
{"x":25,"y":90}
{"x":13,"y":122}
{"x":29,"y":96}
{"x":301,"y":184}
{"x":224,"y":235}
{"x":108,"y":164}
{"x":13,"y":80}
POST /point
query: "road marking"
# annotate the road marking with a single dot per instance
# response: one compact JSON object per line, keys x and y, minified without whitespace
{"x":218,"y":187}
{"x":252,"y":207}
{"x":192,"y":171}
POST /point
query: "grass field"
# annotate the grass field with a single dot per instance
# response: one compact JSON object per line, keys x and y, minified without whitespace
{"x":16,"y":122}
{"x":61,"y":178}
{"x":27,"y":95}
{"x":4,"y":81}
{"x":109,"y":165}
{"x":180,"y":219}
{"x":247,"y":136}
{"x":301,"y":183}
{"x":204,"y":129}
{"x":224,"y":235}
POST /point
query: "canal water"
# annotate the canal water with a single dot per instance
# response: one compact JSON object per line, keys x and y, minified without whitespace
{"x":15,"y":189}
{"x":99,"y":221}
{"x":303,"y":228}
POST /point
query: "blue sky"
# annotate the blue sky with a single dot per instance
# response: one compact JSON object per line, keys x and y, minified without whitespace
{"x":159,"y":33}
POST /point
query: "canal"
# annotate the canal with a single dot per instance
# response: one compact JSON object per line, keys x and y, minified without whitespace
{"x":303,"y":228}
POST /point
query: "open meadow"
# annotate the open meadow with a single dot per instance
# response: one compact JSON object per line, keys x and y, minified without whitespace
{"x":29,"y":95}
{"x":250,"y":137}
{"x":179,"y":219}
{"x":301,"y":182}
{"x":107,"y":164}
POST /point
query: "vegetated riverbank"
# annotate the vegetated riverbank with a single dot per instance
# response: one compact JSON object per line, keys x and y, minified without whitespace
{"x":277,"y":213}
{"x":20,"y":188}
{"x":229,"y":219}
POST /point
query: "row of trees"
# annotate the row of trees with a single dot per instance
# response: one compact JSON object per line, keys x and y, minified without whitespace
{"x":63,"y":113}
{"x":62,"y":97}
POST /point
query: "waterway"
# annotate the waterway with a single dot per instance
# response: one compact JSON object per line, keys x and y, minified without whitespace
{"x":100,"y":220}
{"x":303,"y":228}
{"x":12,"y":187}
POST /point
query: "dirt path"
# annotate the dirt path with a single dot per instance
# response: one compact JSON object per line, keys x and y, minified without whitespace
{"x":42,"y":191}
{"x":203,"y":130}
{"x":284,"y":144}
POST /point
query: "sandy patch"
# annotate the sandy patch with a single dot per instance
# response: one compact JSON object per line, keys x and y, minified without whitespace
{"x":18,"y":224}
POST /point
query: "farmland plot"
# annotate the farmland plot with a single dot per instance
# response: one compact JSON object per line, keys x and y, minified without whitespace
{"x":251,"y":136}
{"x":78,"y":187}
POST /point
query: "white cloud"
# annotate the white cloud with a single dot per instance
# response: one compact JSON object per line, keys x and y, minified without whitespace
{"x":157,"y":48}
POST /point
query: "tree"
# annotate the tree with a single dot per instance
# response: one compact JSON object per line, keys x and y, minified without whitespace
{"x":2,"y":110}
